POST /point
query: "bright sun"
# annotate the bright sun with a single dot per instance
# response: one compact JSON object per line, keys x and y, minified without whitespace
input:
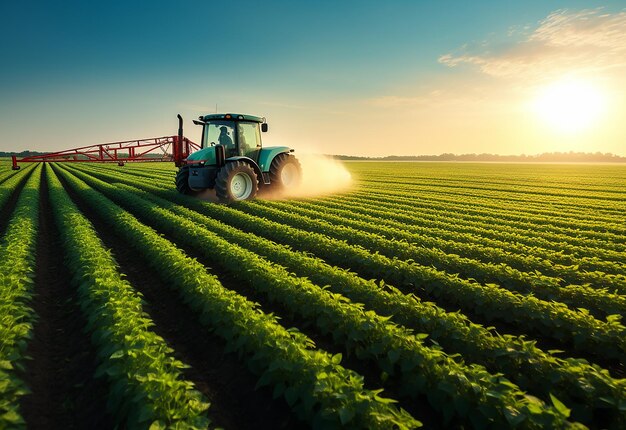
{"x":570,"y":105}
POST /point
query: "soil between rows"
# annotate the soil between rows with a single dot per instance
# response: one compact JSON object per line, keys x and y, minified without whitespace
{"x":502,"y":327}
{"x":545,"y":343}
{"x":221,"y":377}
{"x":372,"y":376}
{"x":9,"y":206}
{"x":60,"y":374}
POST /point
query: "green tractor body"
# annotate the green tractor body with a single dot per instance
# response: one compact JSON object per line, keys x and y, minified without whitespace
{"x":233,"y":162}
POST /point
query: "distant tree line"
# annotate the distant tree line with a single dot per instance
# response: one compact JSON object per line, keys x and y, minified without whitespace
{"x":26,"y":153}
{"x":571,"y":157}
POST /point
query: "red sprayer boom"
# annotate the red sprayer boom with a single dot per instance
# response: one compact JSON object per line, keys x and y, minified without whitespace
{"x":168,"y":148}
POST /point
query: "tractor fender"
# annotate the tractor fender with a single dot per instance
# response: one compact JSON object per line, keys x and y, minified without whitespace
{"x":267,"y":155}
{"x":262,"y":178}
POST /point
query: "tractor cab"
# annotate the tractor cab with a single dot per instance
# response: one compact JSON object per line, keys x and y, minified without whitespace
{"x":233,"y":162}
{"x":239,"y":137}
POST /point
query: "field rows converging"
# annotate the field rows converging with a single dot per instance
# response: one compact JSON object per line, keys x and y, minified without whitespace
{"x":428,"y":294}
{"x":389,"y":224}
{"x":448,"y":224}
{"x":513,"y":216}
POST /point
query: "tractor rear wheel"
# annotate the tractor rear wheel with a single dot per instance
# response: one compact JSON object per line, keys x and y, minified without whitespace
{"x":285,"y":172}
{"x":182,"y":181}
{"x":236,"y":181}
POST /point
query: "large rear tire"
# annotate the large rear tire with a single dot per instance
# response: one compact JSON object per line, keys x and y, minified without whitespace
{"x":285,"y":172}
{"x":236,"y":181}
{"x":182,"y":181}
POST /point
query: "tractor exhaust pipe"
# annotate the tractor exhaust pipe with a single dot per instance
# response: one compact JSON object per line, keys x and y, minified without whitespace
{"x":178,"y":150}
{"x":180,"y":127}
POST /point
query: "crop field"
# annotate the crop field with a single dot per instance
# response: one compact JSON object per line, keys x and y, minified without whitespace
{"x":442,"y":295}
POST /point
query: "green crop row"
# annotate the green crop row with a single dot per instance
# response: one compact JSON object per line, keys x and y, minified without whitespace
{"x":573,"y":270}
{"x":407,"y":201}
{"x":598,"y":301}
{"x":443,"y":219}
{"x":457,"y":391}
{"x":504,"y":184}
{"x":12,"y":183}
{"x":17,"y":263}
{"x":492,"y":302}
{"x":576,"y":177}
{"x":348,"y":201}
{"x":312,"y":381}
{"x":479,"y":247}
{"x":493,"y":230}
{"x":517,"y":215}
{"x":5,"y":174}
{"x":145,"y":380}
{"x":514,"y":243}
{"x":591,"y":391}
{"x":610,"y":205}
{"x":580,"y":198}
{"x":539,"y":212}
{"x":576,"y":329}
{"x":470,"y":207}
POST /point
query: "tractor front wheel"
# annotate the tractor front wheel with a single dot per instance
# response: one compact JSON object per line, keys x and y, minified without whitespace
{"x":236,"y":181}
{"x":182,"y":181}
{"x":285,"y":172}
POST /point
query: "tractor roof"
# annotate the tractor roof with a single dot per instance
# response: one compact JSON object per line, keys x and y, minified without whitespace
{"x":231,"y":116}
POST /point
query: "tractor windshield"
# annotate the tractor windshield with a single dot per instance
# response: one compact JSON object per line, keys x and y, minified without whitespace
{"x":220,"y":132}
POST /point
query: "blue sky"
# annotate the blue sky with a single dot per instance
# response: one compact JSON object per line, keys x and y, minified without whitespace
{"x":76,"y":73}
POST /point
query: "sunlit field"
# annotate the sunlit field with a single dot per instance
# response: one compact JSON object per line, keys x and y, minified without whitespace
{"x":438,"y":294}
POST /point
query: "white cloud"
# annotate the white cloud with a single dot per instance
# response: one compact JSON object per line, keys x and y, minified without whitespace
{"x":587,"y":28}
{"x":584,"y":41}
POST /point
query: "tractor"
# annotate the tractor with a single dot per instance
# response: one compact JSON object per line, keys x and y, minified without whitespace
{"x":232,"y":161}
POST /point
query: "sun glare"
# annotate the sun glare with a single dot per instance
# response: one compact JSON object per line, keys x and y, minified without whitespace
{"x":570,"y":105}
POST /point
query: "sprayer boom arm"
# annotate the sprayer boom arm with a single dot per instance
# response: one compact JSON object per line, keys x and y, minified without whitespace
{"x":168,"y":148}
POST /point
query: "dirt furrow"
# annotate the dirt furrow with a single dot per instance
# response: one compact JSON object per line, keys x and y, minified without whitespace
{"x":60,"y":372}
{"x":372,"y":376}
{"x":223,"y":378}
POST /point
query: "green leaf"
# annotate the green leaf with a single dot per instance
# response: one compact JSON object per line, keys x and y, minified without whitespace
{"x":383,"y":400}
{"x":513,"y":416}
{"x":117,"y":354}
{"x":559,"y":406}
{"x":12,"y":417}
{"x":291,"y":395}
{"x":158,"y":425}
{"x":346,"y":415}
{"x":393,"y":355}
